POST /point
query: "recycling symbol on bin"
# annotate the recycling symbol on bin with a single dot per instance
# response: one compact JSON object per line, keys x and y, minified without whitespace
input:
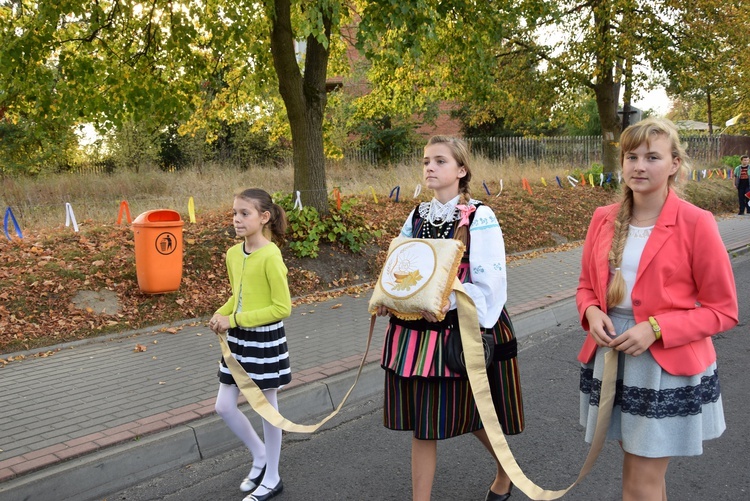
{"x":166,"y":243}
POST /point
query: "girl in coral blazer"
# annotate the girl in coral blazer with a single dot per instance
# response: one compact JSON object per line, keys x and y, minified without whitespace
{"x":656,"y":283}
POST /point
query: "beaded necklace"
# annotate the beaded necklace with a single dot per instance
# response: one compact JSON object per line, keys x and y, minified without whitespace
{"x":433,"y":230}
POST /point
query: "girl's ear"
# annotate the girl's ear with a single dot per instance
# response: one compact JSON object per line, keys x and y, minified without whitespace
{"x":461,"y":171}
{"x":676,"y":162}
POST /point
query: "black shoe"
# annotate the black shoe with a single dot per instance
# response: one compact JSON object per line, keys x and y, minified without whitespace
{"x":268,"y":495}
{"x":493,"y":496}
{"x":250,"y":484}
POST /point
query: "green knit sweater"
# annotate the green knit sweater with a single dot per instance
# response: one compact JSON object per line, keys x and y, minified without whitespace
{"x":261,"y":279}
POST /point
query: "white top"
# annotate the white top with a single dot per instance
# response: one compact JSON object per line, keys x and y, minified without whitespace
{"x":631,"y":257}
{"x":489,"y":281}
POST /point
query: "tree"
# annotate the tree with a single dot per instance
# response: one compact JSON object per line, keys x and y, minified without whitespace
{"x":513,"y":59}
{"x":305,"y":94}
{"x":713,"y":45}
{"x":199,"y":64}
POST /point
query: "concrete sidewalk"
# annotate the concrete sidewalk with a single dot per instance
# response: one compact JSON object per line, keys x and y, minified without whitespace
{"x":98,"y":416}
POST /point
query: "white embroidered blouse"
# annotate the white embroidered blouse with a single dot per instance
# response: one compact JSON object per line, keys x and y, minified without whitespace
{"x":489,"y":281}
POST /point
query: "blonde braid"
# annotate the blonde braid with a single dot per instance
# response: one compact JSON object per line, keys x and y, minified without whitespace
{"x":617,"y":288}
{"x":465,"y":195}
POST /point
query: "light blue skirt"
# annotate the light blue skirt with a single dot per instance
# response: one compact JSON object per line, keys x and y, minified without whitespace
{"x":656,"y":414}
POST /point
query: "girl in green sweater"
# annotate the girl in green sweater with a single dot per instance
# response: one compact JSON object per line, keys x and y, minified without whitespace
{"x":253,"y":318}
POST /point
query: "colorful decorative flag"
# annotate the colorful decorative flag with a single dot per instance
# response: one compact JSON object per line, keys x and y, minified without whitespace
{"x":70,"y":217}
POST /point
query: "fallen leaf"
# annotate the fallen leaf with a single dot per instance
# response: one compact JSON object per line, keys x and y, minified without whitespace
{"x":336,"y":306}
{"x":140,"y":347}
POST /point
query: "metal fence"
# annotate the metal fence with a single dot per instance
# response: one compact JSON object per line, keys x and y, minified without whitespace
{"x":581,"y":150}
{"x":570,"y":150}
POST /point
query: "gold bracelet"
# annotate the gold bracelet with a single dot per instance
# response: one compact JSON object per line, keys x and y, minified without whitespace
{"x":655,"y":327}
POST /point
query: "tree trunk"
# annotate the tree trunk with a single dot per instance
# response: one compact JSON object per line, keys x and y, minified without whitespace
{"x":627,"y":95}
{"x":606,"y":89}
{"x":710,"y":113}
{"x":607,"y":106}
{"x":305,"y":101}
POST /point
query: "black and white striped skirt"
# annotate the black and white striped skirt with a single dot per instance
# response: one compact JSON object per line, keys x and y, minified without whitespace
{"x":262,"y":352}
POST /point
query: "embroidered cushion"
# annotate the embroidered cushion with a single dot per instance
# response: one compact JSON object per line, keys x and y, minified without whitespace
{"x":417,"y":276}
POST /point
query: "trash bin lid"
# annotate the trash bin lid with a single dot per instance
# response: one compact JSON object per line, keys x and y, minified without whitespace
{"x":158,"y":217}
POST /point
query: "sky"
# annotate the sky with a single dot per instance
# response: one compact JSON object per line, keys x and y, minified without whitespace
{"x":656,"y":100}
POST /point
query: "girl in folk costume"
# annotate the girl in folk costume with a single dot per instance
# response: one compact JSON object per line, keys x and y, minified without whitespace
{"x":656,"y":283}
{"x":421,"y":393}
{"x":253,"y":316}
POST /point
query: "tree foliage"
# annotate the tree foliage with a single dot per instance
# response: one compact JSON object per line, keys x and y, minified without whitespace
{"x":201,"y":65}
{"x":713,"y":44}
{"x":517,"y":60}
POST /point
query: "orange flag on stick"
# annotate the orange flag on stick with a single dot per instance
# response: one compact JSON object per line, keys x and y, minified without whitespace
{"x":337,"y":194}
{"x":526,"y":185}
{"x":124,"y":208}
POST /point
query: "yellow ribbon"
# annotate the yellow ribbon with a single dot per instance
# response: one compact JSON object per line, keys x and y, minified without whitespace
{"x":477,"y":372}
{"x":191,"y":209}
{"x":260,"y":403}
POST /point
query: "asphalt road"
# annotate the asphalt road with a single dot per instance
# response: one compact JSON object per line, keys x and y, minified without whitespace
{"x":355,"y":458}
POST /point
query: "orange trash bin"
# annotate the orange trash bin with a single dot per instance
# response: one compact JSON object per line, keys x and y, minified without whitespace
{"x":158,"y":250}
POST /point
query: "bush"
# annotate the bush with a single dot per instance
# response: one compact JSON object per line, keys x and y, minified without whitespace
{"x":731,"y":161}
{"x":389,"y":141}
{"x":307,"y":228}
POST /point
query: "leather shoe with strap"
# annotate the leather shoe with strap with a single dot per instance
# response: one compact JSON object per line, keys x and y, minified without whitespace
{"x":268,"y":495}
{"x":250,"y":484}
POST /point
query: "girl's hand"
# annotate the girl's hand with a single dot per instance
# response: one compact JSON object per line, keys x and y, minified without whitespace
{"x":600,"y":326}
{"x":219,"y":323}
{"x":382,"y":311}
{"x":432,"y":318}
{"x":635,"y":340}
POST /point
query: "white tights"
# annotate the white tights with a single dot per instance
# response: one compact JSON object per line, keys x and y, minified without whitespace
{"x":263,"y":454}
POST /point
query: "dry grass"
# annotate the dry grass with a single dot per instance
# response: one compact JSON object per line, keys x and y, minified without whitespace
{"x":40,"y":202}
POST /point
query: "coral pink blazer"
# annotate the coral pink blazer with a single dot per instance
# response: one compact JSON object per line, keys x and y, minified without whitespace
{"x":684,"y":280}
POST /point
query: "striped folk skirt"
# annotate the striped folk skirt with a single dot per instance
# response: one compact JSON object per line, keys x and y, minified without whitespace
{"x":656,"y":414}
{"x":262,"y":352}
{"x":439,"y":407}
